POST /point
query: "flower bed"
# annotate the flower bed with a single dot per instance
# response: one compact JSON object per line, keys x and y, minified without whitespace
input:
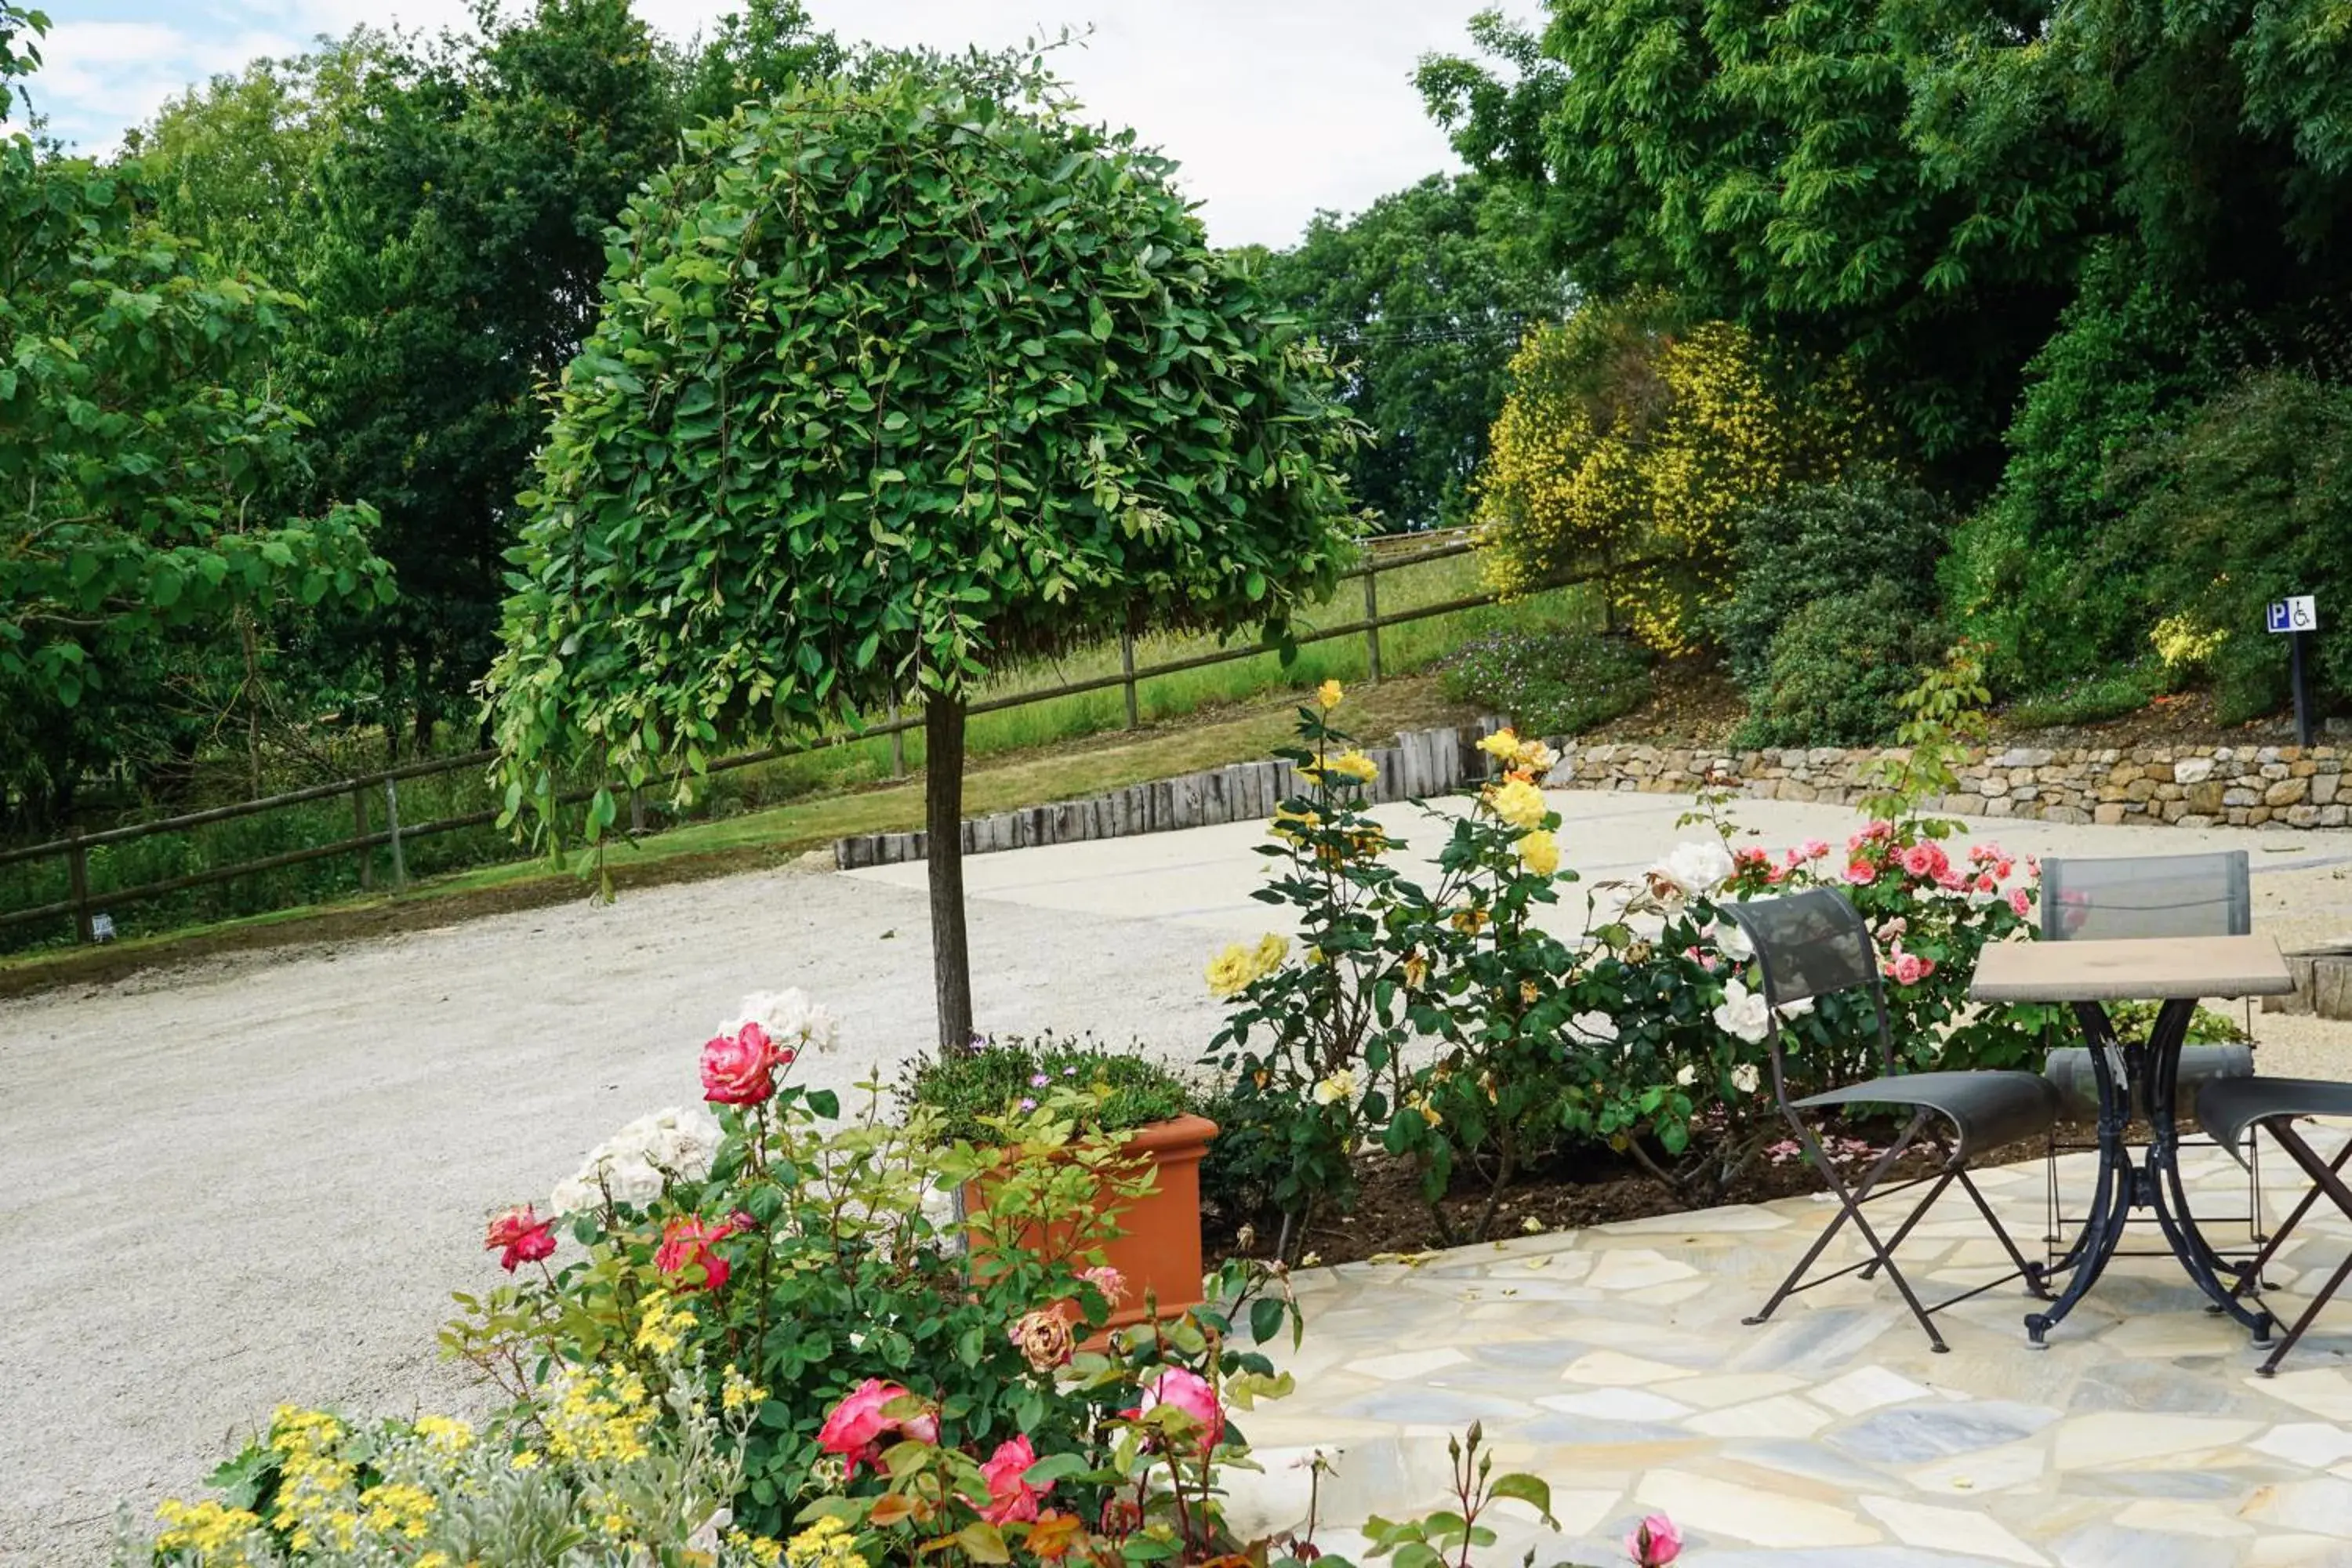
{"x":1448,"y":1027}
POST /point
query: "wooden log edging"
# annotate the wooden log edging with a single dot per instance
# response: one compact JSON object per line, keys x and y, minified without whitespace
{"x":1422,"y":763}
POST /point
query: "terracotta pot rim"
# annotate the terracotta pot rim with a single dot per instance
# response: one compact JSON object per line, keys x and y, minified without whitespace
{"x":1176,"y":1132}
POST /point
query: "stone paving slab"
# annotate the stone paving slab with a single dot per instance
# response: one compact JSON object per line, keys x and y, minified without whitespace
{"x":1613,"y":1362}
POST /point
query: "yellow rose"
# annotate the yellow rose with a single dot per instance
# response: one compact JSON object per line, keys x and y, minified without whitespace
{"x":1327,"y":695}
{"x":1540,"y":853}
{"x":1503,"y":743}
{"x":1518,"y":803}
{"x":1268,"y":956}
{"x":1354,"y":764}
{"x":1230,"y":971}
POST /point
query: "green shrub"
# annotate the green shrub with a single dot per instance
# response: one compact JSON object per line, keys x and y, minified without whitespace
{"x":1551,"y":682}
{"x":1835,"y":668}
{"x":1825,"y":541}
{"x":966,"y":1090}
{"x":2089,"y":700}
{"x":2041,"y":574}
{"x":2250,"y":501}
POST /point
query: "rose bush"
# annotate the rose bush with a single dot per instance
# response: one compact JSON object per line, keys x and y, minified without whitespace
{"x":1456,"y":1026}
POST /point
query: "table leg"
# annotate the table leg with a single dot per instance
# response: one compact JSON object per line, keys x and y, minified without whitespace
{"x":2103,"y":1229}
{"x":2166,"y":1193}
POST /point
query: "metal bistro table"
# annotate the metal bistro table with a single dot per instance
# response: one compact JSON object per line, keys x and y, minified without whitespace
{"x":2178,"y":971}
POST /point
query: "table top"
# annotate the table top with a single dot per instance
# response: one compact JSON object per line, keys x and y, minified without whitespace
{"x":2148,"y":968}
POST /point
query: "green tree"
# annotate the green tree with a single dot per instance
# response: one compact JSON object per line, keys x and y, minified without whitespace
{"x":1920,"y":184}
{"x":143,"y":444}
{"x":897,"y":378}
{"x":1425,"y":295}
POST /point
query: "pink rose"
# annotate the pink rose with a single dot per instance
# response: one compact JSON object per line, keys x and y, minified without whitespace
{"x":2020,"y":902}
{"x":1861,"y":873}
{"x":520,"y":1237}
{"x":1190,"y":1392}
{"x":1655,"y":1542}
{"x":855,"y":1427}
{"x":1986,"y":884}
{"x":1814,"y":849}
{"x":1924,"y":859}
{"x":1010,"y":1498}
{"x":686,"y":1243}
{"x":741,"y":1069}
{"x":1909,"y":968}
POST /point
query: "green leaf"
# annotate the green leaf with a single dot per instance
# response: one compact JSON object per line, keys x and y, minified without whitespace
{"x":1533,"y":1490}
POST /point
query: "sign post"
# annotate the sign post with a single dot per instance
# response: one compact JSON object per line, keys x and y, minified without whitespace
{"x":2297,"y":617}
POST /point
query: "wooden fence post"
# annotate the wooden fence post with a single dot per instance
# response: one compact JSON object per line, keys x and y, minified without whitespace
{"x":392,"y":825}
{"x":367,"y":851}
{"x":1372,"y":619}
{"x":1126,"y":671}
{"x":77,"y":878}
{"x":897,"y":744}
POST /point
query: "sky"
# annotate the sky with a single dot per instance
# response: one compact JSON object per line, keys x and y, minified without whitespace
{"x":1274,"y":108}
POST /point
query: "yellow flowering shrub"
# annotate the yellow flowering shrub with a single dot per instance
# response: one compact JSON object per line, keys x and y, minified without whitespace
{"x":1628,"y":445}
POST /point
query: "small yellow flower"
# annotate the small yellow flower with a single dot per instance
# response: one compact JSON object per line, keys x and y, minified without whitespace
{"x":736,"y":1392}
{"x":1327,"y":695}
{"x":1502,"y":745}
{"x":1540,"y":853}
{"x":1340,"y":1086}
{"x":1416,"y":969}
{"x":528,"y":1459}
{"x":446,"y":1434}
{"x":1353,"y":763}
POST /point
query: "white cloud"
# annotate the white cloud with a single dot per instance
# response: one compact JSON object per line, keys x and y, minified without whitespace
{"x":1274,"y":108}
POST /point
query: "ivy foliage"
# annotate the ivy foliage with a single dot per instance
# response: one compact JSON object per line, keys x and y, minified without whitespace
{"x":143,"y":446}
{"x":1630,"y":444}
{"x":897,"y":376}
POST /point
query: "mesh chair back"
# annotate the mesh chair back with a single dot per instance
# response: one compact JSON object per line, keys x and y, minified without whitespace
{"x":2147,"y":896}
{"x":1810,"y":944}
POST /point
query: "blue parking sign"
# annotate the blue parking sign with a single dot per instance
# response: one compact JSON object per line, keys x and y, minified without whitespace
{"x":2278,"y":616}
{"x":2299,"y":614}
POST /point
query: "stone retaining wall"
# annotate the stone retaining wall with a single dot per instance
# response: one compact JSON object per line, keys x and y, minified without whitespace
{"x":2248,"y":786}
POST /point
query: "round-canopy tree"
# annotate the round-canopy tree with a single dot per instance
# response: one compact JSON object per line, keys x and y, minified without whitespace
{"x":897,"y":378}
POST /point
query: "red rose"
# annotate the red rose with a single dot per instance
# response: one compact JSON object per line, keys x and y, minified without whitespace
{"x":520,"y":1237}
{"x":740,"y":1068}
{"x":686,"y":1243}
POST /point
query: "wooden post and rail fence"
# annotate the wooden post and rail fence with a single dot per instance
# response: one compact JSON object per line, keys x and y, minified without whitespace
{"x":83,"y":903}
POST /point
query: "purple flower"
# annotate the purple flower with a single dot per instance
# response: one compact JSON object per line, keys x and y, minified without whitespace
{"x":1028,"y":1105}
{"x":1038,"y":1081}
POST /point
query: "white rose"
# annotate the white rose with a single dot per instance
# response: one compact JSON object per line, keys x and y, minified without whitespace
{"x":1596,"y":1026}
{"x":1742,"y":1012}
{"x":1700,"y":866}
{"x":1797,"y":1009}
{"x":1686,"y":1076}
{"x":633,"y":1182}
{"x":1745,"y":1077}
{"x":1731,"y":939}
{"x":788,"y":1017}
{"x":574,"y":1196}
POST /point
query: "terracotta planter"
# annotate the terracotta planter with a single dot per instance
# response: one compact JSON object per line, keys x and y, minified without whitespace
{"x":1160,"y":1251}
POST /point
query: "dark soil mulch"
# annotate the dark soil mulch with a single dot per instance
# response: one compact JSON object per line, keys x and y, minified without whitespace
{"x":1585,"y":1187}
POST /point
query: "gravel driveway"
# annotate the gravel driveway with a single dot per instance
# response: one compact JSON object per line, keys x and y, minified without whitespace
{"x":258,"y":1178}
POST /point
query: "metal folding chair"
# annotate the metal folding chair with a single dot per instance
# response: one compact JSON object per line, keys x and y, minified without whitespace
{"x":1814,"y":945}
{"x":2128,"y":899}
{"x":2229,"y":1109}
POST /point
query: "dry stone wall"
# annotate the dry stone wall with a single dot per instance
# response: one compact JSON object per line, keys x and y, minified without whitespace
{"x":2248,"y":786}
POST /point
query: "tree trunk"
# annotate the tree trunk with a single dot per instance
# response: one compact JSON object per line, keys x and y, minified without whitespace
{"x":943,"y":824}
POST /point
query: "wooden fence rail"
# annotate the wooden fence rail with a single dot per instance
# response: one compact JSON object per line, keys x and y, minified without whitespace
{"x":83,"y":902}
